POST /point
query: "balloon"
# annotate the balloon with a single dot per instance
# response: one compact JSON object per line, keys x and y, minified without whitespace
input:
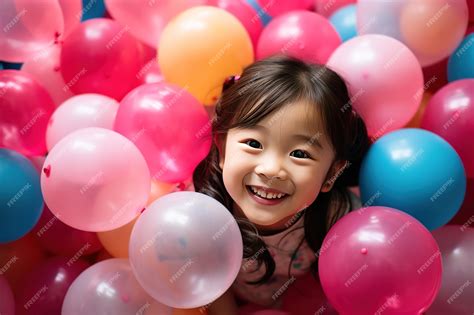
{"x":384,"y":253}
{"x":28,"y":26}
{"x":11,"y":65}
{"x":384,"y":79}
{"x":421,"y":167}
{"x":186,"y":249}
{"x":328,"y":7}
{"x":21,"y":199}
{"x":92,"y":9}
{"x":61,"y":239}
{"x":109,"y":287}
{"x":147,"y":18}
{"x":415,"y":122}
{"x":226,"y":51}
{"x":461,"y":62}
{"x":456,"y":244}
{"x":44,"y":68}
{"x":43,"y":292}
{"x":436,"y":75}
{"x":25,"y":108}
{"x":81,"y":111}
{"x":100,"y":56}
{"x":293,"y":34}
{"x":467,"y":209}
{"x":274,"y":8}
{"x":344,"y":21}
{"x":191,"y":311}
{"x":450,"y":114}
{"x":95,"y":179}
{"x":72,"y":10}
{"x":430,"y":28}
{"x":148,"y":115}
{"x":7,"y":304}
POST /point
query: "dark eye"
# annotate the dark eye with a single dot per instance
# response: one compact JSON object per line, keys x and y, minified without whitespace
{"x":253,"y":143}
{"x":301,"y":154}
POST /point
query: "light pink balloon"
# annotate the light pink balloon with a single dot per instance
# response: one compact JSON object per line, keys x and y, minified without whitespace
{"x":384,"y":78}
{"x":294,"y":34}
{"x":28,"y":26}
{"x":109,"y":287}
{"x":7,"y":302}
{"x":95,"y":179}
{"x":186,"y":249}
{"x":72,"y":13}
{"x":44,"y":66}
{"x":166,"y":123}
{"x":147,"y":18}
{"x":81,"y":111}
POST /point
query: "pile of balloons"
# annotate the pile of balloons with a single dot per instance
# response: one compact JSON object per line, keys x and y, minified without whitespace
{"x":106,"y":110}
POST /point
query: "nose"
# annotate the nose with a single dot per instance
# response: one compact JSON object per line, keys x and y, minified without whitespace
{"x":271,"y":168}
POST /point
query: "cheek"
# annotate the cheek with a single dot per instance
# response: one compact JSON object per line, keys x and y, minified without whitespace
{"x":308,"y":188}
{"x":233,"y":176}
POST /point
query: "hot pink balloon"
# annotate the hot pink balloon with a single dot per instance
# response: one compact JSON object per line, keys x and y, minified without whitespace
{"x":294,"y":34}
{"x":45,"y":287}
{"x":95,"y":179}
{"x":60,"y":239}
{"x":275,"y":8}
{"x":384,"y":78}
{"x":100,"y":56}
{"x":81,"y":111}
{"x":450,"y":113}
{"x":456,"y":244}
{"x":72,"y":13}
{"x":149,"y":69}
{"x":379,"y":260}
{"x":28,"y":26}
{"x":7,"y":303}
{"x":146,"y":19}
{"x":166,"y":123}
{"x":44,"y":67}
{"x":328,"y":7}
{"x":25,"y":108}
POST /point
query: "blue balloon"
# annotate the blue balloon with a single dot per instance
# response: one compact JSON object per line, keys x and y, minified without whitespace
{"x":344,"y":21}
{"x":21,"y":201}
{"x":92,"y":9}
{"x":11,"y":65}
{"x":261,"y":12}
{"x":1,"y":65}
{"x":461,"y":62}
{"x":415,"y":171}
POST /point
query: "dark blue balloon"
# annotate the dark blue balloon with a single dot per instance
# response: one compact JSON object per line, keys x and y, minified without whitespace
{"x":21,"y":201}
{"x":11,"y":65}
{"x":461,"y":62}
{"x":415,"y":171}
{"x":92,"y":9}
{"x":344,"y":21}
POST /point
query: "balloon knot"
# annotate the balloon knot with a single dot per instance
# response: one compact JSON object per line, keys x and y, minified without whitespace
{"x":47,"y":170}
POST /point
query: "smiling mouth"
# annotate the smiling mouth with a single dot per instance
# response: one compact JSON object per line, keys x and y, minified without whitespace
{"x":262,"y":200}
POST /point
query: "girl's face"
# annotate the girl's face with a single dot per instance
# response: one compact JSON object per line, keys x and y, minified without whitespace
{"x":287,"y":152}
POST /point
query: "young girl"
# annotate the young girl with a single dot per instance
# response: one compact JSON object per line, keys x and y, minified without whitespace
{"x":286,"y":146}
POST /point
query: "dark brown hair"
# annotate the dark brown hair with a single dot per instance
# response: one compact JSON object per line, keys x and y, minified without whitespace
{"x":264,"y":88}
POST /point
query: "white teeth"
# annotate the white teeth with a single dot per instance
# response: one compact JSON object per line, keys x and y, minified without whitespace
{"x":263,"y":194}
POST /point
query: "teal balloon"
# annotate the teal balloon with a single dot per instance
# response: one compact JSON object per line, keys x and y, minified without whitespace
{"x":461,"y":62}
{"x":92,"y":9}
{"x":21,"y":202}
{"x":10,"y":65}
{"x":344,"y":21}
{"x":415,"y":171}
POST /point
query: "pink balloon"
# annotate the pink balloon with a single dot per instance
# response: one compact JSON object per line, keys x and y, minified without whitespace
{"x":28,"y":26}
{"x":95,"y":179}
{"x":384,"y":78}
{"x":81,"y":111}
{"x":327,"y":7}
{"x":450,"y":113}
{"x":45,"y":287}
{"x":72,"y":13}
{"x":275,"y":8}
{"x":153,"y":117}
{"x":379,"y":260}
{"x":149,"y":69}
{"x":294,"y":34}
{"x":25,"y":108}
{"x":100,"y":56}
{"x":60,"y":239}
{"x":456,"y":244}
{"x":44,"y":67}
{"x":7,"y":303}
{"x":147,"y":18}
{"x":109,"y":287}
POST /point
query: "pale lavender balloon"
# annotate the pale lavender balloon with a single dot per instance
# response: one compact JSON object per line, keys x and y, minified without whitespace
{"x":186,"y":249}
{"x":109,"y":287}
{"x":81,"y":111}
{"x":7,"y":302}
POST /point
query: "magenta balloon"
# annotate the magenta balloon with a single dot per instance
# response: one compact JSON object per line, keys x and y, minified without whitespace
{"x":379,"y":260}
{"x":384,"y":79}
{"x":28,"y":26}
{"x":45,"y":287}
{"x":450,"y":114}
{"x":25,"y":108}
{"x":100,"y":56}
{"x":166,"y":123}
{"x":328,"y":7}
{"x":7,"y":302}
{"x":279,"y":7}
{"x":60,"y":239}
{"x":456,"y":244}
{"x":295,"y":34}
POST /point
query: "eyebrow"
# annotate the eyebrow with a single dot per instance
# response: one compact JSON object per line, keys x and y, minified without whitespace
{"x":311,"y":140}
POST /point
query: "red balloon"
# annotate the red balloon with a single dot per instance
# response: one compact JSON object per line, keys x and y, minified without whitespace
{"x":100,"y":56}
{"x":25,"y":109}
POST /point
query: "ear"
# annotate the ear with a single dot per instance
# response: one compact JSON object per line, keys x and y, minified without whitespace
{"x":334,"y":172}
{"x":220,"y":143}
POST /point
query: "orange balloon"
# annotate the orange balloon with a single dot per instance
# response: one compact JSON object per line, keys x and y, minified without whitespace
{"x":200,"y":48}
{"x":415,"y":122}
{"x":190,"y":311}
